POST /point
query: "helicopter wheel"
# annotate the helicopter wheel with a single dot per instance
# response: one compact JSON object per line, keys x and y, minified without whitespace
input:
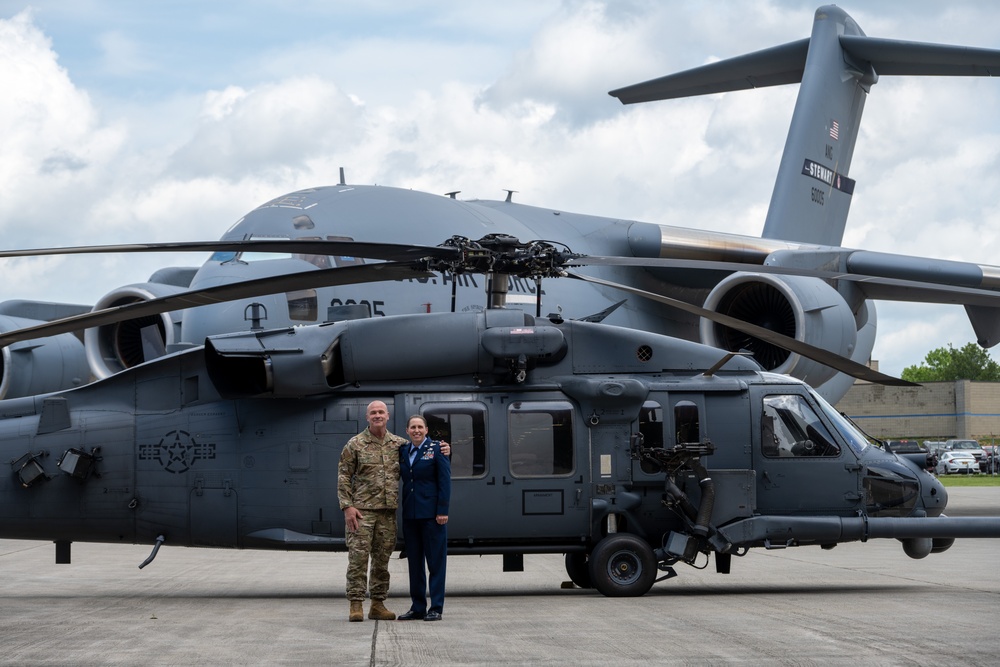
{"x":578,"y":569}
{"x":622,"y":565}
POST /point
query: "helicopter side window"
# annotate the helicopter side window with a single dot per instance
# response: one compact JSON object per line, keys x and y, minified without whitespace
{"x":541,"y":439}
{"x":790,"y":428}
{"x":464,"y":429}
{"x":651,"y":424}
{"x":651,"y":430}
{"x":686,"y":422}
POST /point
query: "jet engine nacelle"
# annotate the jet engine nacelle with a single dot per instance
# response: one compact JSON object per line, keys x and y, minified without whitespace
{"x":40,"y":366}
{"x":114,"y":347}
{"x":806,"y":309}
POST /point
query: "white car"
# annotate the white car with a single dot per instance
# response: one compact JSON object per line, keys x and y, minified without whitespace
{"x":960,"y":462}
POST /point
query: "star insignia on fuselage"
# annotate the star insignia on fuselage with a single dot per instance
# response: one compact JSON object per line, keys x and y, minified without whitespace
{"x":177,"y":451}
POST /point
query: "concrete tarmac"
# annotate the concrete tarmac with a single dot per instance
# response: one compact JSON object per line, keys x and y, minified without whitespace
{"x":858,"y":604}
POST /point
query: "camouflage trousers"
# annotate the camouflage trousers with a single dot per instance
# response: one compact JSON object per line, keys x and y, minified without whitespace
{"x":375,"y":537}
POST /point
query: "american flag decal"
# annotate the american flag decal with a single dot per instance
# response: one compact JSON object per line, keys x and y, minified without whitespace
{"x":834,"y":130}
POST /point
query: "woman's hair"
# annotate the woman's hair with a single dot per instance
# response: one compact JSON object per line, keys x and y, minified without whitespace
{"x":412,"y":417}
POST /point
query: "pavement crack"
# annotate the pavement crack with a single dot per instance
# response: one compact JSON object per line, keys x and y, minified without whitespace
{"x":371,"y":660}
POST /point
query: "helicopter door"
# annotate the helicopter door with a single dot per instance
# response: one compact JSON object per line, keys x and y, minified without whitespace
{"x":801,"y":467}
{"x":517,"y":472}
{"x":476,"y":493}
{"x":547,"y":470}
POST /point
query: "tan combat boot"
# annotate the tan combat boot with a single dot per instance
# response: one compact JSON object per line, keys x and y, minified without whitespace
{"x":379,"y":612}
{"x":357,"y":612}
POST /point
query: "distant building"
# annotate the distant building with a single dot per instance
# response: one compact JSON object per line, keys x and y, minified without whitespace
{"x":932,"y":411}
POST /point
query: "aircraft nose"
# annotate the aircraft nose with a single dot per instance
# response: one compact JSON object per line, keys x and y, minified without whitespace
{"x":934,"y":495}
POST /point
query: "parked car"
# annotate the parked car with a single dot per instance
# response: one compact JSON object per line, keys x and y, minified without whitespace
{"x":992,"y":459}
{"x":969,"y":447}
{"x":912,"y":447}
{"x":957,"y":462}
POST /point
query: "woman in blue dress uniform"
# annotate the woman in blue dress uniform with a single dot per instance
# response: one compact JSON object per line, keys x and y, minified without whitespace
{"x":426,"y":476}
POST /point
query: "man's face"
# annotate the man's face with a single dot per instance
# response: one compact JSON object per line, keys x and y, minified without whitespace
{"x":378,"y":415}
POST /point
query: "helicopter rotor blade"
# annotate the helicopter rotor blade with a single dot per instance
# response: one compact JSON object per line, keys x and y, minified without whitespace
{"x":945,"y":293}
{"x":384,"y":251}
{"x":345,"y":275}
{"x":835,"y":361}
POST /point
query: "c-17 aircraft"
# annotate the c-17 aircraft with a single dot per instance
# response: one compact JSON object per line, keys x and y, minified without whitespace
{"x":624,"y":448}
{"x":796,"y":280}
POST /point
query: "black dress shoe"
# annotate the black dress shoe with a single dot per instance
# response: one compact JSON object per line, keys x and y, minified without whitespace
{"x":433,"y":616}
{"x":412,"y":616}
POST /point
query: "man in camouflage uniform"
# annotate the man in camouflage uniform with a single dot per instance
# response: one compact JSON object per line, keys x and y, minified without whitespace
{"x":368,"y":489}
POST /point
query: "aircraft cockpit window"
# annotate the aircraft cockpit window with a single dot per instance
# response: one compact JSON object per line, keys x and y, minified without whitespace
{"x":791,"y":428}
{"x":345,"y":260}
{"x":857,"y":440}
{"x":541,"y":439}
{"x":302,"y":305}
{"x":250,"y":257}
{"x":464,"y":428}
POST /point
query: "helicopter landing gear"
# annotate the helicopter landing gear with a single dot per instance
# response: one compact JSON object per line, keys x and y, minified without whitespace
{"x":578,"y":569}
{"x":622,"y":565}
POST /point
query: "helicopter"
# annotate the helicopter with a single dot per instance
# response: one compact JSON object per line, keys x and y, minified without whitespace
{"x":831,"y":308}
{"x":628,"y":451}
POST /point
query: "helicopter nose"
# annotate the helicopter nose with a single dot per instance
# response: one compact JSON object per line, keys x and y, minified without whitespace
{"x":934,"y":495}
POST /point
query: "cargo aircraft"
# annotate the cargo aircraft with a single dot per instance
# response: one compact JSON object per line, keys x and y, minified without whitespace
{"x":748,"y":278}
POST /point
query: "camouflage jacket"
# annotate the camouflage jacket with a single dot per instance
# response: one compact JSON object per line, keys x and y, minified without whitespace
{"x":368,"y":473}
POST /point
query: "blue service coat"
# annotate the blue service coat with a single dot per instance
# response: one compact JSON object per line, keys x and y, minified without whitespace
{"x":426,"y":483}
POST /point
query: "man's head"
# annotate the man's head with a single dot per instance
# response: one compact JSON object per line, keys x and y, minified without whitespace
{"x":378,"y":417}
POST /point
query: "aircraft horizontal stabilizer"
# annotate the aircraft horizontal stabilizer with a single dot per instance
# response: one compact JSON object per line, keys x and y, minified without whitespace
{"x":775,"y":66}
{"x":891,"y":56}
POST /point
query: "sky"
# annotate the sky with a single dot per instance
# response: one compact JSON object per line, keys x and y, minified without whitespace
{"x":160,"y":121}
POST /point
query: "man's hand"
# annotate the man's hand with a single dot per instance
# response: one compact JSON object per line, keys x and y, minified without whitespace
{"x":351,"y":518}
{"x":445,"y":448}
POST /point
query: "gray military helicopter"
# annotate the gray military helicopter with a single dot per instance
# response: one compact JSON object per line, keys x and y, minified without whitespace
{"x":829,"y":305}
{"x":628,"y":451}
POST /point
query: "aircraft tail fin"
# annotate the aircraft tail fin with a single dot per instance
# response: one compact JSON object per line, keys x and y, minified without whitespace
{"x":836,"y":67}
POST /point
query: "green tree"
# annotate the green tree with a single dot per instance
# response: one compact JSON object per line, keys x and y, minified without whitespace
{"x":946,"y":364}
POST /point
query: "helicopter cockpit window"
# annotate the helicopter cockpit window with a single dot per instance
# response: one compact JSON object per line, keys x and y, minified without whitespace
{"x":464,"y":428}
{"x":790,"y":428}
{"x":302,"y":305}
{"x":541,"y":439}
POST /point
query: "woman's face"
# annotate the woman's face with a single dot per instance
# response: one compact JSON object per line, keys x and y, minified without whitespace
{"x":417,"y":430}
